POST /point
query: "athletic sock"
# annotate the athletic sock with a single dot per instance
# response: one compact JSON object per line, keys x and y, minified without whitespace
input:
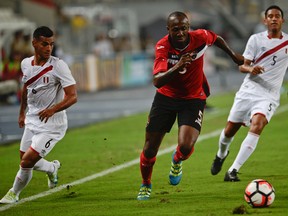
{"x":44,"y":166}
{"x":248,"y":146}
{"x":179,"y":156}
{"x":224,"y":143}
{"x":23,"y":177}
{"x":146,"y":167}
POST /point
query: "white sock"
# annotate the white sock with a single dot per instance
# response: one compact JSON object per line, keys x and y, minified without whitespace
{"x":247,"y":148}
{"x":224,"y":143}
{"x":44,"y":166}
{"x":23,"y":177}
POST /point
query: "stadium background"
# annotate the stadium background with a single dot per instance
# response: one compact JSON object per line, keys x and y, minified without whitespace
{"x":141,"y":24}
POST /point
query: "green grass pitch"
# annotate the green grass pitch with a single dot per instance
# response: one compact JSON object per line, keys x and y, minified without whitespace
{"x":91,"y":150}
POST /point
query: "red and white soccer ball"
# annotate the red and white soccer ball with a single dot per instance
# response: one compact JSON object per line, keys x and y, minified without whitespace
{"x":259,"y":193}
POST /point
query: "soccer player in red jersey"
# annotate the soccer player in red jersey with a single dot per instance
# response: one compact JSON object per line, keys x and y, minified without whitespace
{"x":182,"y":89}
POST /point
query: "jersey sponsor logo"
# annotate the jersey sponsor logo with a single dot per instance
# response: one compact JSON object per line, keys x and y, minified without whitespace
{"x":160,"y":47}
{"x":173,"y":59}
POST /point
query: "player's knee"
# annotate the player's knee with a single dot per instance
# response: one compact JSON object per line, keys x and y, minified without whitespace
{"x":27,"y":163}
{"x":150,"y":153}
{"x":187,"y":150}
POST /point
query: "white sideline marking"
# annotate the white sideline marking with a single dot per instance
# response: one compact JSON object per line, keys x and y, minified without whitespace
{"x":101,"y":174}
{"x":114,"y":169}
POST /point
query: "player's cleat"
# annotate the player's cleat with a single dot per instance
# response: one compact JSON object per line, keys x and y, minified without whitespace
{"x":175,"y":174}
{"x":217,"y":164}
{"x":231,"y":176}
{"x":53,"y":177}
{"x":9,"y":198}
{"x":144,"y":192}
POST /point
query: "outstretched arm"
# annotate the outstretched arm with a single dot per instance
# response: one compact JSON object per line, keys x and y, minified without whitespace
{"x":221,"y":43}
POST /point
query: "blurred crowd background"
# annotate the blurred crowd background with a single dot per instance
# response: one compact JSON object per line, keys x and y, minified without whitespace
{"x":110,"y":43}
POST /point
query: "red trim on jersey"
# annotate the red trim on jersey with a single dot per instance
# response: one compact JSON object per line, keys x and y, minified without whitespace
{"x":44,"y":71}
{"x":281,"y":36}
{"x":192,"y":83}
{"x":271,"y":51}
{"x":34,"y":150}
{"x":258,"y":113}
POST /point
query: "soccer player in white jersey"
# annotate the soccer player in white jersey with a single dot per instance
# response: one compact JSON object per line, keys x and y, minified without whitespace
{"x":48,"y":90}
{"x":266,"y":61}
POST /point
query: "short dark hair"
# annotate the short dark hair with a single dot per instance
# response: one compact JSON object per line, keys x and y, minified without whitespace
{"x":42,"y":31}
{"x":274,"y":7}
{"x":176,"y":14}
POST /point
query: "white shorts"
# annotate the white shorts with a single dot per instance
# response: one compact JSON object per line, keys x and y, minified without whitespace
{"x":39,"y":141}
{"x":246,"y":105}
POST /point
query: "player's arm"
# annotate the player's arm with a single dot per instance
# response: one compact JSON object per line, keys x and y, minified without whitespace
{"x":248,"y":67}
{"x":23,"y":106}
{"x":162,"y":78}
{"x":70,"y":98}
{"x":221,"y":43}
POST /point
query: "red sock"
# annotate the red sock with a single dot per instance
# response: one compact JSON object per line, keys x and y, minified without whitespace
{"x":146,"y":167}
{"x":180,"y":157}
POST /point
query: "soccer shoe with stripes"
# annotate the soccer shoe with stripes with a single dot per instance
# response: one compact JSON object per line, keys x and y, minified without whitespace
{"x":175,"y":174}
{"x":231,"y":176}
{"x":144,"y":192}
{"x":53,"y":177}
{"x":9,"y":198}
{"x":217,"y":164}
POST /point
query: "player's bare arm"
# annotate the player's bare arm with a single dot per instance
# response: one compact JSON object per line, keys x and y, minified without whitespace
{"x":69,"y":99}
{"x":23,"y":106}
{"x":162,"y":78}
{"x":248,"y":67}
{"x":221,"y":43}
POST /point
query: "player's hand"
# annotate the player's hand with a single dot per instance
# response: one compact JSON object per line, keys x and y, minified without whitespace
{"x":21,"y":121}
{"x":45,"y":114}
{"x":257,"y":70}
{"x":184,"y":61}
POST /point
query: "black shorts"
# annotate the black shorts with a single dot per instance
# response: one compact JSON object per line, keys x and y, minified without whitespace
{"x":164,"y":111}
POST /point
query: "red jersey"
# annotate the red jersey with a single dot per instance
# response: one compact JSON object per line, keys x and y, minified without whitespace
{"x":190,"y":83}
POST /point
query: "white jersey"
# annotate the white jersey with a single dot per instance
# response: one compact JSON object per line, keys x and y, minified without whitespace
{"x":44,"y":89}
{"x":272,"y":55}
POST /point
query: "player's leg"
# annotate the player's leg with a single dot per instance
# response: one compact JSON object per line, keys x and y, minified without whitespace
{"x":44,"y":143}
{"x":44,"y":166}
{"x":262,"y":110}
{"x":238,"y":116}
{"x":225,"y":139}
{"x":23,"y":176}
{"x":160,"y":122}
{"x":186,"y":140}
{"x":248,"y":145}
{"x":190,"y":117}
{"x":148,"y":155}
{"x":147,"y":161}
